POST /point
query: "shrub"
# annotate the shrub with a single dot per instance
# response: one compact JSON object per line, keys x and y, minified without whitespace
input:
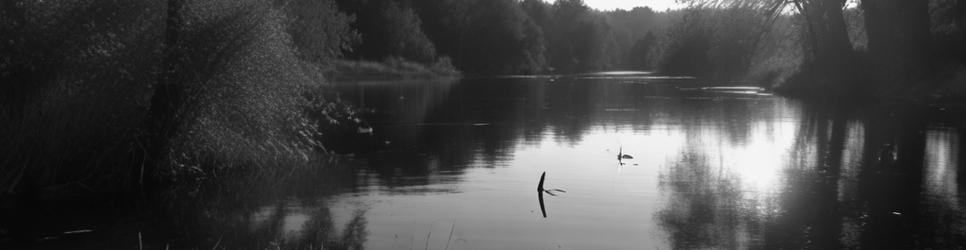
{"x":84,"y":73}
{"x":319,"y":31}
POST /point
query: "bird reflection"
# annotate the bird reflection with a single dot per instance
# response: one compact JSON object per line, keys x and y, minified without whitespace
{"x":621,"y":156}
{"x":541,"y":191}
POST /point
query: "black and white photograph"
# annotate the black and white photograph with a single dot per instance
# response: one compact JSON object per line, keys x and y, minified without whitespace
{"x":482,"y":124}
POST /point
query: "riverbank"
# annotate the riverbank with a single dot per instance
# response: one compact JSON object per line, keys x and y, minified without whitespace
{"x":388,"y":70}
{"x":939,"y":88}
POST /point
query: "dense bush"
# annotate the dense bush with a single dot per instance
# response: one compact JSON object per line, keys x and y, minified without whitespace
{"x":73,"y":81}
{"x":82,"y":77}
{"x":319,"y":30}
{"x":244,"y":86}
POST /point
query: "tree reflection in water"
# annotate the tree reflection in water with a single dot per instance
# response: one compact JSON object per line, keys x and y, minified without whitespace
{"x":853,"y":178}
{"x":268,"y":210}
{"x":703,"y":211}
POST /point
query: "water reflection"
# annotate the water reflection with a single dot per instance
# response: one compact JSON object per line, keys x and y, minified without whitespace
{"x":709,"y":170}
{"x":848,"y":180}
{"x":941,"y":166}
{"x":716,"y":171}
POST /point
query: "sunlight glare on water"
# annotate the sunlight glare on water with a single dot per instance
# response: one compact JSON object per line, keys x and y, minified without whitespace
{"x":759,"y":163}
{"x":707,"y":171}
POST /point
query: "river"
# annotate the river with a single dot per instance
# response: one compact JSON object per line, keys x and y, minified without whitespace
{"x":459,"y":162}
{"x":711,"y":168}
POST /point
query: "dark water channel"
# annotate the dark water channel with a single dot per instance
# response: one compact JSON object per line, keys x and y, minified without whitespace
{"x":712,"y":168}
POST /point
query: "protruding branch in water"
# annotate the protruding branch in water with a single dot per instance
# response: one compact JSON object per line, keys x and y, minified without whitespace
{"x":540,"y":185}
{"x":541,"y":190}
{"x":543,"y":209}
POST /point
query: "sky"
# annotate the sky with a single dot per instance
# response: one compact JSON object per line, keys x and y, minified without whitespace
{"x":656,"y":5}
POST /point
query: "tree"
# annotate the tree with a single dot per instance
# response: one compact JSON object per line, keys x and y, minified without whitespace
{"x":538,"y":10}
{"x":390,"y":28}
{"x":446,"y":22}
{"x":898,"y":33}
{"x":579,"y":39}
{"x":319,"y":30}
{"x":402,"y":34}
{"x":827,"y":42}
{"x":948,"y":28}
{"x":69,"y":73}
{"x":639,"y":55}
{"x":502,"y":39}
{"x":686,"y":46}
{"x":166,"y":111}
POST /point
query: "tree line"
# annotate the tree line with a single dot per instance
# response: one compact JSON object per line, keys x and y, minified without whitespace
{"x":501,"y":36}
{"x":822,"y":47}
{"x":798,"y":44}
{"x":186,"y":85}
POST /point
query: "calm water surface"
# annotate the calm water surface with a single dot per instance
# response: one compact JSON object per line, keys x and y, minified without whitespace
{"x":711,"y":168}
{"x":458,"y":165}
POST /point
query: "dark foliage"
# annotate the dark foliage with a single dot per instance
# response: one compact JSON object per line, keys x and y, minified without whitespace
{"x":319,"y":30}
{"x":502,"y":39}
{"x":390,"y":29}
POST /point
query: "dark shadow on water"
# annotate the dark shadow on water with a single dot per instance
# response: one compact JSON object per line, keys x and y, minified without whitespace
{"x":240,"y":210}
